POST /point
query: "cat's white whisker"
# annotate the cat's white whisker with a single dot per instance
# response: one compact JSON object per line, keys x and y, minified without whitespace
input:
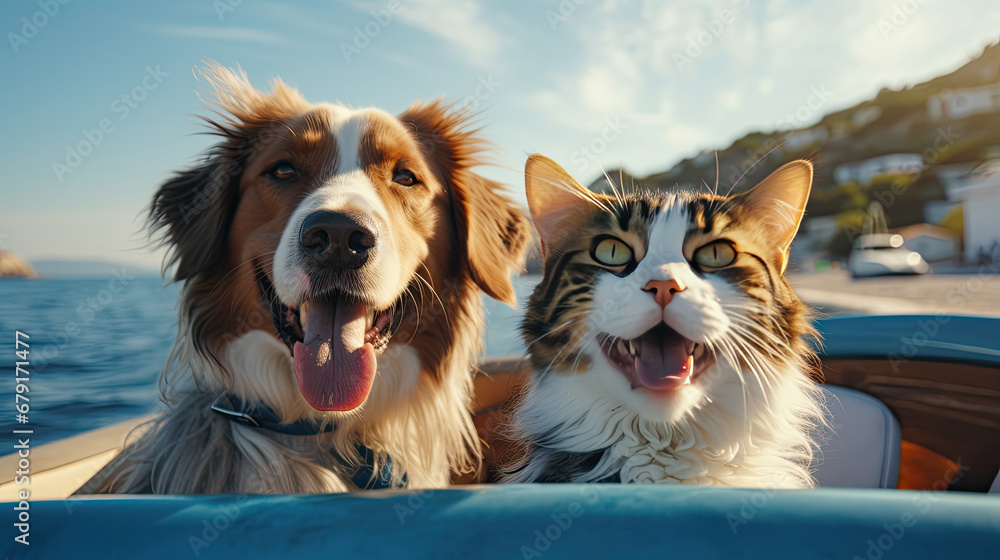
{"x":708,"y":386}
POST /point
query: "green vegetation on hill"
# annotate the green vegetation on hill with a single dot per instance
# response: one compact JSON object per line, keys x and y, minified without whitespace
{"x":894,"y":122}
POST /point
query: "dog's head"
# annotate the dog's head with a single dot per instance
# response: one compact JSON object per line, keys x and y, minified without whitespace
{"x":350,"y":230}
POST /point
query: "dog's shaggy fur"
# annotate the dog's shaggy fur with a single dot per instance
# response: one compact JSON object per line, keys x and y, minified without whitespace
{"x":233,"y":224}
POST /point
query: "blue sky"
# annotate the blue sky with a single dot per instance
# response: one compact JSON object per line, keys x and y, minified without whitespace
{"x":595,"y":85}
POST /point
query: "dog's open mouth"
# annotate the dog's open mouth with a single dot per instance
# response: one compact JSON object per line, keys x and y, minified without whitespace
{"x":660,"y":359}
{"x":335,"y":341}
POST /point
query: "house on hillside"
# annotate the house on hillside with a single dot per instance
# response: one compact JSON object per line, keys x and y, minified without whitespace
{"x":953,"y":177}
{"x":864,"y":171}
{"x":981,"y":209}
{"x":816,"y":232}
{"x":943,"y":213}
{"x":954,"y":104}
{"x":934,"y":243}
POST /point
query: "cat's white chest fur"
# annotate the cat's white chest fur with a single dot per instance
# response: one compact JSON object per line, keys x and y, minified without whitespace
{"x":728,"y":441}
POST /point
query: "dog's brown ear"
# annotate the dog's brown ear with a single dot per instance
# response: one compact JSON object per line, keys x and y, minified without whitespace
{"x":192,"y":210}
{"x":493,"y":233}
{"x":496,"y":234}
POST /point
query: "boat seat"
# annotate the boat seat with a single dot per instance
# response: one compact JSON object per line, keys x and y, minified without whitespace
{"x":860,"y":447}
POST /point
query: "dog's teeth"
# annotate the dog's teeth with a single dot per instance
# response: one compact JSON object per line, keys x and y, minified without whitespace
{"x":631,"y":348}
{"x":303,"y":311}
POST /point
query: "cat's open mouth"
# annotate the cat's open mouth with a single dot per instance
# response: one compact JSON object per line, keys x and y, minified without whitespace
{"x":660,"y":359}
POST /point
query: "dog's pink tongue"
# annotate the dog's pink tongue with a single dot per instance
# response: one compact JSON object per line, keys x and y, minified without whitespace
{"x":334,"y":366}
{"x":663,"y":361}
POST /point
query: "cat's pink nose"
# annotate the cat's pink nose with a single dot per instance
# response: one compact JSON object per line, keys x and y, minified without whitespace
{"x":663,"y":290}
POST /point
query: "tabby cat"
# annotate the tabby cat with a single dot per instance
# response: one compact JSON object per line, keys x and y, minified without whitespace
{"x":666,"y":344}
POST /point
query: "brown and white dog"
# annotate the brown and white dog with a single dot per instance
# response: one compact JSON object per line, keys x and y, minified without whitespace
{"x":333,"y":262}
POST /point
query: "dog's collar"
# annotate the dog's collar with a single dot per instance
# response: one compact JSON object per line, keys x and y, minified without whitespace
{"x":263,"y":417}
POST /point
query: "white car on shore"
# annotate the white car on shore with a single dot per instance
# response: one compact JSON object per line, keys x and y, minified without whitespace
{"x":881,"y":254}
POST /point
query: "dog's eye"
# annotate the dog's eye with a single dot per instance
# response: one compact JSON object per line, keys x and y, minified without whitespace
{"x":282,"y":172}
{"x":404,"y":177}
{"x":611,"y":251}
{"x":717,"y":254}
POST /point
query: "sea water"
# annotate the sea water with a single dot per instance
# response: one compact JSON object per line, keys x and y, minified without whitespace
{"x":97,"y":347}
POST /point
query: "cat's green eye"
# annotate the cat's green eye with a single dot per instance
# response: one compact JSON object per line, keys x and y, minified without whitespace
{"x":717,"y":254}
{"x":611,"y":251}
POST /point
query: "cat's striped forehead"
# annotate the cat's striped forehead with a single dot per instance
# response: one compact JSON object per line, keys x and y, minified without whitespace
{"x":695,"y":214}
{"x":663,"y":230}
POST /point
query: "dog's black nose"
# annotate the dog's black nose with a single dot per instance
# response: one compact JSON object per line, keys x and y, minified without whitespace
{"x":336,"y":239}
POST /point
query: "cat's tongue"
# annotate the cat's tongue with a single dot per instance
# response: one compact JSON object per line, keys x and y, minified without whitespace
{"x":334,"y":366}
{"x":662,"y":359}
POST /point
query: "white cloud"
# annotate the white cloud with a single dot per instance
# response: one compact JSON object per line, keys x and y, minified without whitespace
{"x":686,"y":137}
{"x":459,"y":22}
{"x":744,"y":75}
{"x":731,"y":99}
{"x":222,"y":33}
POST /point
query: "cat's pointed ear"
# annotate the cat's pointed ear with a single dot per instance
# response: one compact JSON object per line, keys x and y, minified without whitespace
{"x":779,"y":201}
{"x":553,"y":196}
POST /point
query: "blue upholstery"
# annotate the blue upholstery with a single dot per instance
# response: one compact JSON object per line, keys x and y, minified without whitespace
{"x":522,"y":521}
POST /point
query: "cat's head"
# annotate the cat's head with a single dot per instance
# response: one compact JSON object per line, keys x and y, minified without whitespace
{"x":665,"y":300}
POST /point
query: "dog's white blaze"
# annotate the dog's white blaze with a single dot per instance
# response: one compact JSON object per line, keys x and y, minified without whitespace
{"x":348,"y":131}
{"x":349,"y":189}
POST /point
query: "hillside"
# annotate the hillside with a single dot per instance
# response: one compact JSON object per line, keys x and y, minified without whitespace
{"x":14,"y":266}
{"x":932,"y":121}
